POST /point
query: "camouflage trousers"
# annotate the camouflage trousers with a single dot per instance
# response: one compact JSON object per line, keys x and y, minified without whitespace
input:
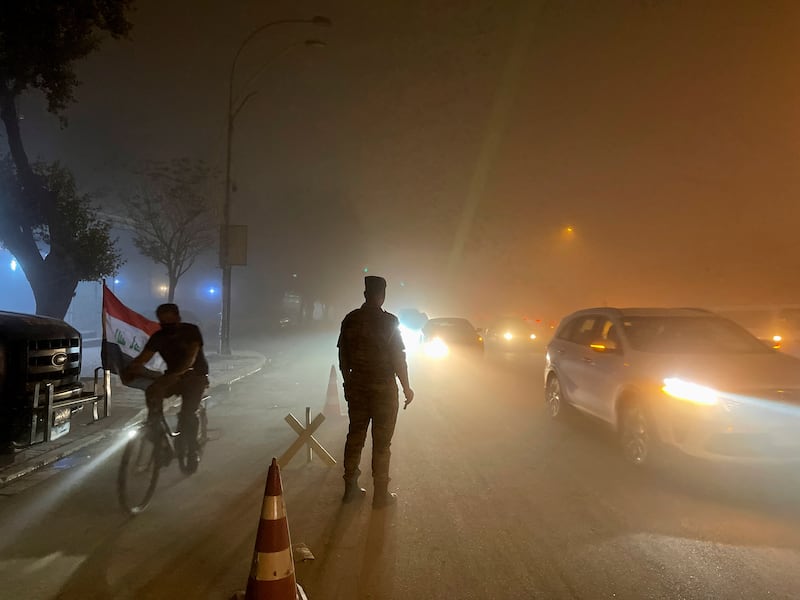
{"x":365,"y":403}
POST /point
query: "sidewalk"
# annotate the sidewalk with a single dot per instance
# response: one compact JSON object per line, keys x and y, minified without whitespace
{"x":127,"y":410}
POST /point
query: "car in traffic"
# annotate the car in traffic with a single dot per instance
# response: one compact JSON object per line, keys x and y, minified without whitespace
{"x":677,"y":379}
{"x":514,"y":334}
{"x":444,"y":336}
{"x":777,"y":325}
{"x":412,"y":321}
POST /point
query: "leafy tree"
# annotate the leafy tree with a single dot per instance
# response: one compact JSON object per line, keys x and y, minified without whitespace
{"x":171,"y":216}
{"x":90,"y":252}
{"x":39,"y":44}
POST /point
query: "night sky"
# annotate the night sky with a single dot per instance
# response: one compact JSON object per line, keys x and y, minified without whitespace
{"x":457,"y":139}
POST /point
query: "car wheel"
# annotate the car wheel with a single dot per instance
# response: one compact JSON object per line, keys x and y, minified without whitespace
{"x":554,"y":398}
{"x":637,"y":436}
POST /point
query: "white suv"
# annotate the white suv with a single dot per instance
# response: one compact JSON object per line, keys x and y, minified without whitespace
{"x":686,"y":379}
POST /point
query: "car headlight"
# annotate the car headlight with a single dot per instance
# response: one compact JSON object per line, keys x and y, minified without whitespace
{"x":436,"y":348}
{"x":508,"y":335}
{"x":690,"y":392}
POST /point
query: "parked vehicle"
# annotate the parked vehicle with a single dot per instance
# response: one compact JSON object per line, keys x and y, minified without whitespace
{"x":40,"y":385}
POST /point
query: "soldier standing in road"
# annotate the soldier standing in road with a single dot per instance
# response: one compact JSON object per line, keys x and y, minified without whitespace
{"x":371,"y":356}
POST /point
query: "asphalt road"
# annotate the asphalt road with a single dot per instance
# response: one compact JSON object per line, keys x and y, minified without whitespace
{"x":496,"y":501}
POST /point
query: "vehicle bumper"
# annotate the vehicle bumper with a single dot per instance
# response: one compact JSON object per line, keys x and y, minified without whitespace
{"x":713,"y":434}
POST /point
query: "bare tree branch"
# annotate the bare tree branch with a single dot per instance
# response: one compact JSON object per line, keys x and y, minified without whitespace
{"x":171,"y":215}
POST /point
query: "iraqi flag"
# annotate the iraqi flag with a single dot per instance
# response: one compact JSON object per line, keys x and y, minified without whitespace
{"x":125,"y":332}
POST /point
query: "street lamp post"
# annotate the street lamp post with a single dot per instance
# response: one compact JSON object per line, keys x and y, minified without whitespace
{"x":225,"y":329}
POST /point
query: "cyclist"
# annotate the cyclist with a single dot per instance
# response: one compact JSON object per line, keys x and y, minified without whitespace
{"x":181,"y":346}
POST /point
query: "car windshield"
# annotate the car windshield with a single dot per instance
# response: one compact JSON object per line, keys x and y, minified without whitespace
{"x":512,"y":325}
{"x":790,"y":319}
{"x":690,"y":335}
{"x":450,"y":329}
{"x":749,"y":319}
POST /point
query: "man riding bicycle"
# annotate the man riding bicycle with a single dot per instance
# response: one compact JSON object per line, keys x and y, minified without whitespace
{"x":181,"y":346}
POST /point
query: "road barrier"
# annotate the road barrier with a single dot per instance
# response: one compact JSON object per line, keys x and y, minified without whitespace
{"x":305,"y":438}
{"x":333,"y":407}
{"x":272,"y":571}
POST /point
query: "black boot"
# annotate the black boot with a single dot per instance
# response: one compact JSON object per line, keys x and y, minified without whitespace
{"x":352,"y":491}
{"x":382,"y":497}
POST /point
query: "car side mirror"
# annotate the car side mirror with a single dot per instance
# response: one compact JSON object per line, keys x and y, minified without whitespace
{"x":604,"y":346}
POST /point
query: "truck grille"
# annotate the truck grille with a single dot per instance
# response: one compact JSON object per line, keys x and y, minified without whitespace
{"x":54,"y":359}
{"x":54,"y":344}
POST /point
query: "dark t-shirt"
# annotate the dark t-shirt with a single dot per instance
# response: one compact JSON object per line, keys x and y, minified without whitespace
{"x":173,"y":344}
{"x":370,"y":345}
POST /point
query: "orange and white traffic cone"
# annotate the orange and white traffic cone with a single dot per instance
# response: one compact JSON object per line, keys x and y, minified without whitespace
{"x":332,"y":407}
{"x":272,"y":573}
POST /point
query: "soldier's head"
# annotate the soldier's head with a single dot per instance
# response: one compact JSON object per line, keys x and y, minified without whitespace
{"x":168,"y":314}
{"x":374,"y":290}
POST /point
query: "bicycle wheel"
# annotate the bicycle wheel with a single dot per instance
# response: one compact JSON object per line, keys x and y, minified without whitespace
{"x":186,"y":461}
{"x":138,"y":471}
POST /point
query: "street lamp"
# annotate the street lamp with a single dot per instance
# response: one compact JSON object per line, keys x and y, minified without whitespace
{"x":225,"y":263}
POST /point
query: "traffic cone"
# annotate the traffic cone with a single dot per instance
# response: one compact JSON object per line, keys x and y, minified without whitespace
{"x":272,"y":572}
{"x":332,"y":405}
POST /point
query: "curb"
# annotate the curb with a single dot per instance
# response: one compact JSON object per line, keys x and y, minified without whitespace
{"x":48,"y":458}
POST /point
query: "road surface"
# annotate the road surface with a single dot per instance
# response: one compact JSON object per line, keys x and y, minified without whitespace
{"x":496,"y":501}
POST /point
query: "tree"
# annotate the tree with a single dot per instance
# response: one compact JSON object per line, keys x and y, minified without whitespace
{"x":39,"y":45}
{"x":171,"y":217}
{"x":91,"y":251}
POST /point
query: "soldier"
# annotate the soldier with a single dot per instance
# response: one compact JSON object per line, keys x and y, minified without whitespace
{"x":371,"y":355}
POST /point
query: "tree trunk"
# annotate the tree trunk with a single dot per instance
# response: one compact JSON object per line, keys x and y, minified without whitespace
{"x":51,"y":279}
{"x":173,"y":283}
{"x":53,"y":287}
{"x":30,"y":182}
{"x":53,"y":301}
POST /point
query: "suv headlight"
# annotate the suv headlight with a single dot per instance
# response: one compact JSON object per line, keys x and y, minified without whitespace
{"x":437,"y":348}
{"x":690,"y":392}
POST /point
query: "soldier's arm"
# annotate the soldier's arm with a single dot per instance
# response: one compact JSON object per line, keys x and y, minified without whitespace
{"x":399,"y":363}
{"x":344,"y":352}
{"x":401,"y":369}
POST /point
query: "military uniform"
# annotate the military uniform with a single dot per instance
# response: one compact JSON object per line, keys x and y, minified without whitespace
{"x":371,"y":355}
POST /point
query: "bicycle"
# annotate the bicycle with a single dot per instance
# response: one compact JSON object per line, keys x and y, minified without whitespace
{"x":150,"y":448}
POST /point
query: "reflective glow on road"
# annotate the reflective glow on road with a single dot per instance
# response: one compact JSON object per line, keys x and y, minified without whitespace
{"x":67,"y":482}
